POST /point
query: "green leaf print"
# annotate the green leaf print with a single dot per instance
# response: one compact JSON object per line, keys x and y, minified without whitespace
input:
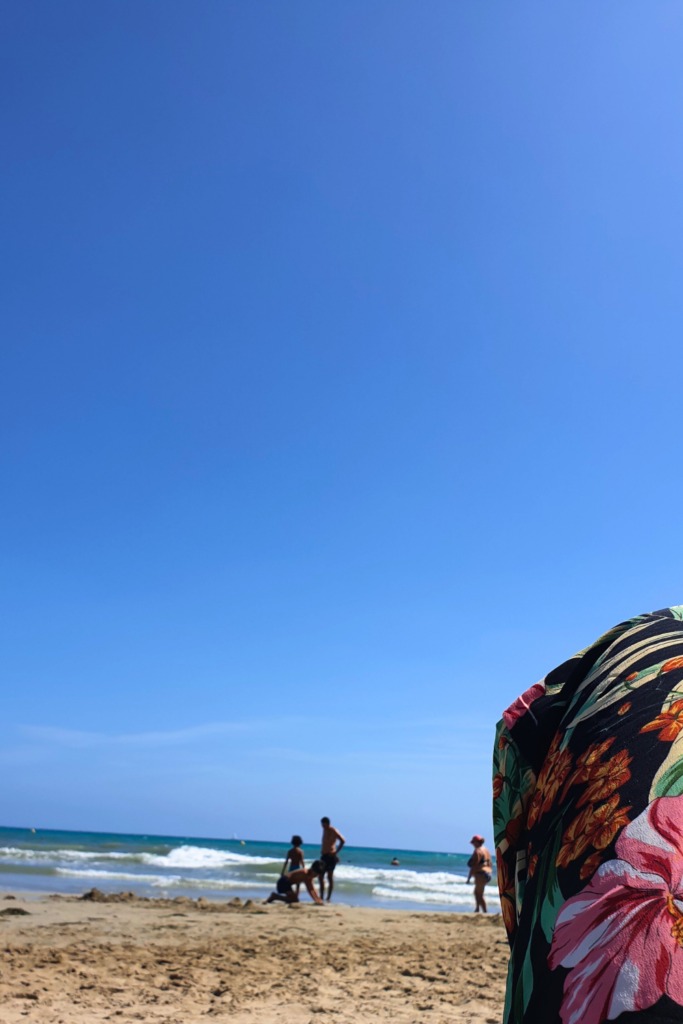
{"x":548,"y":883}
{"x":669,"y":779}
{"x":610,"y":691}
{"x":550,"y":909}
{"x":525,"y":987}
{"x":545,"y":914}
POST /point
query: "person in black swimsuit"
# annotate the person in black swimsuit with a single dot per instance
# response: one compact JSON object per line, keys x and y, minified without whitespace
{"x":481,"y":870}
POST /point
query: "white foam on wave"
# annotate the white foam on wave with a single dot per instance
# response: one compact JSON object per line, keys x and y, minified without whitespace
{"x":162,"y":881}
{"x":16,"y":853}
{"x":180,"y":857}
{"x":402,"y":878}
{"x":205,"y":868}
{"x":201,"y":857}
{"x":444,"y":887}
{"x":122,"y":876}
{"x":452,"y":899}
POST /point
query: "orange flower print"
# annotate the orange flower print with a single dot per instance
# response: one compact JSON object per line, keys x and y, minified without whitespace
{"x":551,"y":777}
{"x":513,"y":831}
{"x":594,"y":826}
{"x":606,"y":778}
{"x":590,"y":758}
{"x":586,"y":764}
{"x":625,"y":708}
{"x":509,"y":911}
{"x":605,"y":828}
{"x":535,"y":806}
{"x":671,"y":664}
{"x":498,"y":782}
{"x":555,"y":778}
{"x":506,"y":887}
{"x":533,"y":864}
{"x":668,"y":723}
{"x":505,"y":881}
{"x":590,"y":866}
{"x":575,"y":841}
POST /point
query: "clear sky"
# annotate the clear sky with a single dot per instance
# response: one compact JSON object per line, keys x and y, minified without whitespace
{"x":341,"y":390}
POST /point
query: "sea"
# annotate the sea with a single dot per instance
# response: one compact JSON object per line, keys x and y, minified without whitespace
{"x":48,"y":861}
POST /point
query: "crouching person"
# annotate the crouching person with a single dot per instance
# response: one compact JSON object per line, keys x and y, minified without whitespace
{"x":285,"y":891}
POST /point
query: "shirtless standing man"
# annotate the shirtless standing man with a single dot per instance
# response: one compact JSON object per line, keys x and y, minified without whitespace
{"x":331,"y":845}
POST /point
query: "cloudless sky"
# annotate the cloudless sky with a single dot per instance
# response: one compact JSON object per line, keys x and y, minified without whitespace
{"x":341,"y":390}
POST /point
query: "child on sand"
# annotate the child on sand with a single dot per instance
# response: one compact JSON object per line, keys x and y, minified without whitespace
{"x":295,"y":856}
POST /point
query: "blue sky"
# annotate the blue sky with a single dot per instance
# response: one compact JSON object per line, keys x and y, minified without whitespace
{"x":340,"y":397}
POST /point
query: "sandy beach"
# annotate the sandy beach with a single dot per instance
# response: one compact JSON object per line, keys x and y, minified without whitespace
{"x":72,"y":960}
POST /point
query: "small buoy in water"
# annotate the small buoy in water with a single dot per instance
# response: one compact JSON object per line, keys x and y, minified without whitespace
{"x":32,"y":830}
{"x":242,"y":842}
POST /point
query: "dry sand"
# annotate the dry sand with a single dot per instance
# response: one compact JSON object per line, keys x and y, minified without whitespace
{"x":72,"y":960}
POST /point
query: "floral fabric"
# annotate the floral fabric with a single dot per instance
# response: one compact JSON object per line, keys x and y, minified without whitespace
{"x":588,"y":823}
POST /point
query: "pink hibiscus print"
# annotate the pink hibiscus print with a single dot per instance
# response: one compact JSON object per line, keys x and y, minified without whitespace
{"x":522,"y":704}
{"x":622,"y":936}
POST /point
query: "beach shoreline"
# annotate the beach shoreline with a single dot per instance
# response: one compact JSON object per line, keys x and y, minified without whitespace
{"x":124,"y":958}
{"x":167,"y":866}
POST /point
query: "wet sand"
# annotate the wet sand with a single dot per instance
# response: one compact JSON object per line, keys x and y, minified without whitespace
{"x":71,"y":960}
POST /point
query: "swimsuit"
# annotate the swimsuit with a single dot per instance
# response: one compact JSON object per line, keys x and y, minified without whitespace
{"x":484,"y":867}
{"x":284,"y":886}
{"x":330,"y":861}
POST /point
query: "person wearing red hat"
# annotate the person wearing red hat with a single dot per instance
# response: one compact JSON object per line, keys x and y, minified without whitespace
{"x":480,"y":870}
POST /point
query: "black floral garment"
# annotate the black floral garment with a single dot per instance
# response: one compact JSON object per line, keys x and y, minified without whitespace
{"x":588,"y":821}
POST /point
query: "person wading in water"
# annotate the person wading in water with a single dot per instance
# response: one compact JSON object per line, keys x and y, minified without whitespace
{"x":480,"y":869}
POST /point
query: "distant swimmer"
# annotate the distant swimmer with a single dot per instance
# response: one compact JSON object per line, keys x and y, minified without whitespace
{"x":395,"y":862}
{"x":480,"y":869}
{"x":287,"y":888}
{"x":332,"y":842}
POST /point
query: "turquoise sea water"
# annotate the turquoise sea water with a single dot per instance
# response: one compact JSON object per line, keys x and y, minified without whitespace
{"x":72,"y":862}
